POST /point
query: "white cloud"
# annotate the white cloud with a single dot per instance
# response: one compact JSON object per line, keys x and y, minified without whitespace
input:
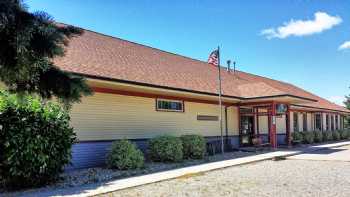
{"x":339,"y":100}
{"x":320,"y":23}
{"x":345,"y":45}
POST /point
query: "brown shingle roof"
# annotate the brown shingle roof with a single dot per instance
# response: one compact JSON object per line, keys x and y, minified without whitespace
{"x":104,"y":56}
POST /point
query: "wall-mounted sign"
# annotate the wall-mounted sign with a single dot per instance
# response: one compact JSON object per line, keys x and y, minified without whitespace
{"x":281,"y":108}
{"x":207,"y":118}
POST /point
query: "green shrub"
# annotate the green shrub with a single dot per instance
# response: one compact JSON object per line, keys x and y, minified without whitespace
{"x":124,"y":155}
{"x":194,"y":146}
{"x":166,"y":149}
{"x":327,"y":136}
{"x":318,"y":137}
{"x":308,"y":137}
{"x":344,"y":134}
{"x":297,"y":137}
{"x":35,"y":141}
{"x":335,"y":135}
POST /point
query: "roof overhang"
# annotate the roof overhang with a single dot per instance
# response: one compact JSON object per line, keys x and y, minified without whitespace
{"x":318,"y":109}
{"x":161,"y":91}
{"x":290,"y":99}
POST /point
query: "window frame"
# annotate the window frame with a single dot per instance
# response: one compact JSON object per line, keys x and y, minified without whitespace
{"x":337,"y":122}
{"x":170,"y":110}
{"x":328,"y":123}
{"x":296,"y":122}
{"x":318,"y":115}
{"x":304,"y":121}
{"x":332,"y":123}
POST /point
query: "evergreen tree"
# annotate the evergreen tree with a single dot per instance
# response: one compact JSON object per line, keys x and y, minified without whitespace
{"x":28,"y":44}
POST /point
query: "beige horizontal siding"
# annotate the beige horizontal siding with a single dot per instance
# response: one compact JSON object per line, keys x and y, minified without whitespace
{"x":232,"y":121}
{"x":263,"y":125}
{"x":110,"y":116}
{"x":281,"y":124}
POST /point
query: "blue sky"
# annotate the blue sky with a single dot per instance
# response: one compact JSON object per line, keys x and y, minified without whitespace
{"x":259,"y":35}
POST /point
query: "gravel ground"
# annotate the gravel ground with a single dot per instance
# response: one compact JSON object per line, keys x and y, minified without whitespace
{"x":269,"y":178}
{"x":102,"y":175}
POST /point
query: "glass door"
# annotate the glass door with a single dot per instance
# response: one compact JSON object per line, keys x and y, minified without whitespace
{"x":246,"y":130}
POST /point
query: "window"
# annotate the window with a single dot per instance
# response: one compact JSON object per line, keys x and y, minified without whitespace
{"x":327,"y":122}
{"x":170,"y":105}
{"x":318,"y":122}
{"x":336,"y":122}
{"x":246,"y":110}
{"x":295,"y":122}
{"x":304,"y":122}
{"x":332,"y":122}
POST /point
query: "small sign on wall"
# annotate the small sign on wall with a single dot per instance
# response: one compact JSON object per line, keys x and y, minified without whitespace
{"x":207,"y":118}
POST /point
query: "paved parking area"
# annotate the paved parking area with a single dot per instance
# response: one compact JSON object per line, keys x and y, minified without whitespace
{"x":321,"y":173}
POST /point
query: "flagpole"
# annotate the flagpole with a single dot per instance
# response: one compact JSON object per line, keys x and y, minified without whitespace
{"x":220,"y":103}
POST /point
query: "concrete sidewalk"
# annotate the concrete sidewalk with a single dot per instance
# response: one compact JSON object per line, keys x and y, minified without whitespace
{"x":94,"y":189}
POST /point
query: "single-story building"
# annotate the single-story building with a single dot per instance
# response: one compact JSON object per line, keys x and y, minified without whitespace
{"x":142,"y":92}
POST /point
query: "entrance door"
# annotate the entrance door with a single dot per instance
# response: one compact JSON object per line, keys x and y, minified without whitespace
{"x":247,"y":130}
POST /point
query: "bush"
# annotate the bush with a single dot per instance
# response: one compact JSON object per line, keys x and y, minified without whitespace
{"x":297,"y":137}
{"x":336,"y":135}
{"x":308,"y":137}
{"x":318,"y":137}
{"x":344,"y":134}
{"x":124,"y":155}
{"x":35,"y":141}
{"x":166,"y":149}
{"x":194,"y":146}
{"x":327,"y":136}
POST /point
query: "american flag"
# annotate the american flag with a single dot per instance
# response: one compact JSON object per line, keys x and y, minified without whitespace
{"x":214,"y":58}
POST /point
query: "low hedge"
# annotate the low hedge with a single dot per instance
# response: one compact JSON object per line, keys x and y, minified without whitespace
{"x":165,"y":149}
{"x":194,"y":146}
{"x":308,"y":137}
{"x":327,"y":136}
{"x":35,"y":141}
{"x":344,"y":134}
{"x":318,"y":137}
{"x":297,"y":137}
{"x":335,"y":135}
{"x":124,"y":155}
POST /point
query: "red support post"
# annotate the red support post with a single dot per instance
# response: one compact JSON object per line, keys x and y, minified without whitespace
{"x":272,"y":121}
{"x":257,"y":123}
{"x":288,"y":133}
{"x":239,"y":126}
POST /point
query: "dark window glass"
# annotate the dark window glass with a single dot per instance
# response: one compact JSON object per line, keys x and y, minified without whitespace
{"x":327,"y":122}
{"x":332,"y":123}
{"x":295,"y":122}
{"x":246,"y":110}
{"x":336,"y":122}
{"x":168,"y":105}
{"x":304,"y":122}
{"x":318,"y":122}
